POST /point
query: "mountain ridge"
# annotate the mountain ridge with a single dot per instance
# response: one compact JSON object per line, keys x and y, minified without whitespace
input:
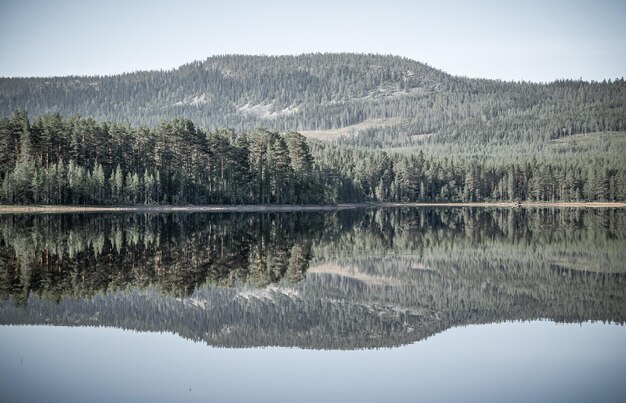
{"x":244,"y":55}
{"x":321,"y":53}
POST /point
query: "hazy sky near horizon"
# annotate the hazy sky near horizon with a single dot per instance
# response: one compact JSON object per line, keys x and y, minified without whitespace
{"x":511,"y":40}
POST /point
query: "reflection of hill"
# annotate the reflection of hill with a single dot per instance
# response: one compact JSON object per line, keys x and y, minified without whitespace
{"x":377,"y":278}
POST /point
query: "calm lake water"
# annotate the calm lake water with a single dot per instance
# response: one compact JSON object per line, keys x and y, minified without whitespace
{"x":364,"y":305}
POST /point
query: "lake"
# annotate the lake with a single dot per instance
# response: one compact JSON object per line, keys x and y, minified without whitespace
{"x":363,"y":304}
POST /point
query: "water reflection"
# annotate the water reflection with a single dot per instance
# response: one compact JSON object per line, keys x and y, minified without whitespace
{"x":332,"y":280}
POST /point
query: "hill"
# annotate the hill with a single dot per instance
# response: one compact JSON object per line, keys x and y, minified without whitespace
{"x":383,"y":100}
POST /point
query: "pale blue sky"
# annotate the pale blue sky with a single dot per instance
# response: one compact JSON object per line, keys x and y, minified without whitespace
{"x":536,"y":361}
{"x":511,"y":40}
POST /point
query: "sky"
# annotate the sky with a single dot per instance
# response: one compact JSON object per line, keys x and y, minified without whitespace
{"x":526,"y":40}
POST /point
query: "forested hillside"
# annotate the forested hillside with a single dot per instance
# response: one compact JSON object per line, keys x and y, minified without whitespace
{"x":52,"y":160}
{"x":193,"y":135}
{"x":387,"y":100}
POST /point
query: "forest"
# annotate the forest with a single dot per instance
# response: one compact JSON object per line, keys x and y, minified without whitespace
{"x":81,"y":161}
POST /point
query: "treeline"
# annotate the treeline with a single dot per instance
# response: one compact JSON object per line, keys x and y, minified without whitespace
{"x":80,"y":161}
{"x":363,"y":174}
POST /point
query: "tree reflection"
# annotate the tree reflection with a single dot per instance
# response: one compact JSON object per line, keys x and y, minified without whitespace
{"x":344,"y":279}
{"x":79,"y":256}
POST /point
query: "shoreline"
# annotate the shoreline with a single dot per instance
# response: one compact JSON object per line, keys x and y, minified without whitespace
{"x":30,"y":209}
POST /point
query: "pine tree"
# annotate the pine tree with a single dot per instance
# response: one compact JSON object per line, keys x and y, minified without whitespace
{"x":25,"y":167}
{"x":117,"y":185}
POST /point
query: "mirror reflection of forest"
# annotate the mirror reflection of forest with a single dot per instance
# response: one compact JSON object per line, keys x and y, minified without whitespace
{"x":339,"y":280}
